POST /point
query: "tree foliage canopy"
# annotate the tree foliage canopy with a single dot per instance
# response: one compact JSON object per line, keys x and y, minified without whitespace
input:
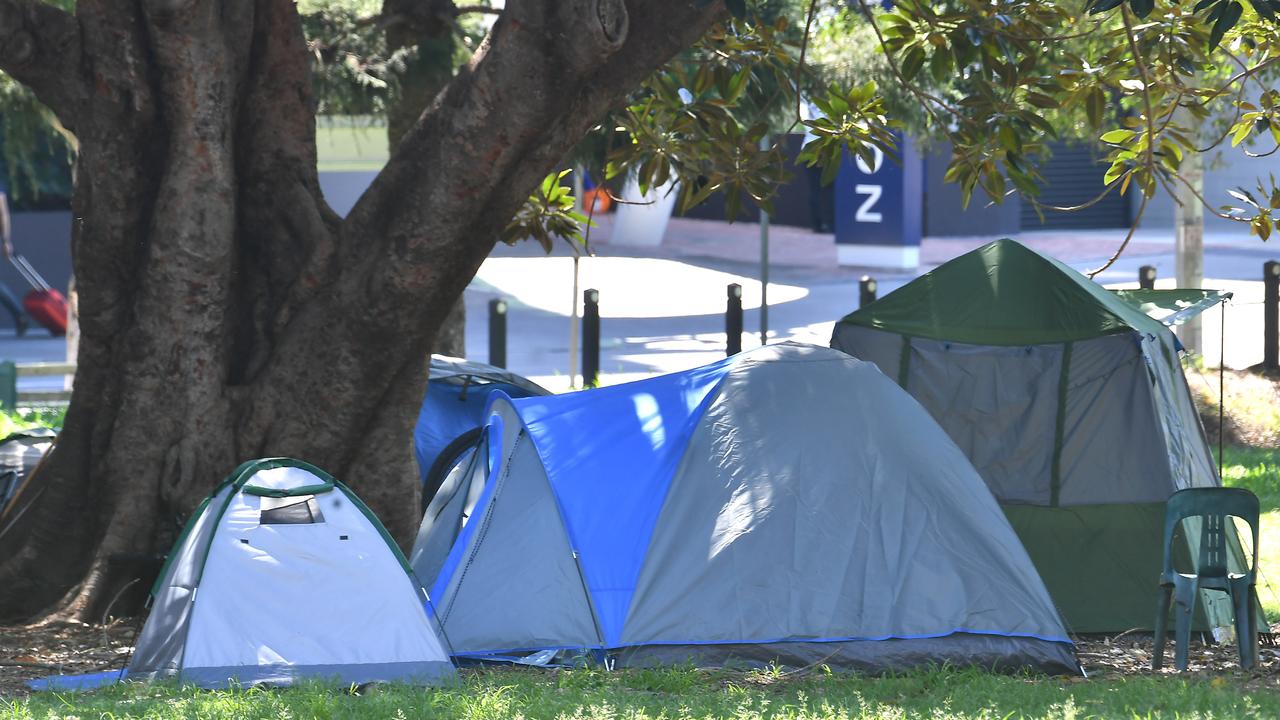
{"x":1151,"y":80}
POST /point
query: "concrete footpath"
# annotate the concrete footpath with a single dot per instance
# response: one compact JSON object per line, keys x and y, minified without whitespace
{"x":662,"y":308}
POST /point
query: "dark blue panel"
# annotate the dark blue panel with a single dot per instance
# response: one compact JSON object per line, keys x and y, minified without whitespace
{"x":883,"y":206}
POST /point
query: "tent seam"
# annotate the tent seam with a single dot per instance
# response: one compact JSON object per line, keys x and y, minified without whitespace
{"x":1060,"y":421}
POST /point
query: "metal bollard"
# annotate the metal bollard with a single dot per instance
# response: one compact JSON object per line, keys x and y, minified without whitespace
{"x":1271,"y":315}
{"x":1147,"y":277}
{"x":590,"y":338}
{"x":733,"y":321}
{"x":8,"y":385}
{"x":498,"y":332}
{"x":866,"y":290}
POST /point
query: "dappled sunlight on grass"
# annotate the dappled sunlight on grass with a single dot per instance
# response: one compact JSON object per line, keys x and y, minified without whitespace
{"x":11,"y":422}
{"x":688,"y":693}
{"x":1258,"y":470}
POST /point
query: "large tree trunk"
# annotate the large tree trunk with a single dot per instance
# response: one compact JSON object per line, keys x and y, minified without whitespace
{"x":226,"y":312}
{"x":424,"y":30}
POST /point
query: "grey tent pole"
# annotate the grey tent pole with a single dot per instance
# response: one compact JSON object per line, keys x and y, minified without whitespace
{"x":764,"y":264}
{"x":573,"y":313}
{"x":1222,"y":366}
{"x":591,"y":603}
{"x":434,"y":620}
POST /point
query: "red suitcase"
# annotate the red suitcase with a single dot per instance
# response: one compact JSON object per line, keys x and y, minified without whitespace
{"x":44,"y":304}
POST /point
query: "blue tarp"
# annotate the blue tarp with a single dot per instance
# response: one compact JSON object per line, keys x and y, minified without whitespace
{"x":87,"y":681}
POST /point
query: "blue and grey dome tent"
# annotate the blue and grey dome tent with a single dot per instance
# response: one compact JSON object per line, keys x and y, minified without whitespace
{"x":790,"y":504}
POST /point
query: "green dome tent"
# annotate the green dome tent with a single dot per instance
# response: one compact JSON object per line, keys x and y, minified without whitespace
{"x":1071,"y":404}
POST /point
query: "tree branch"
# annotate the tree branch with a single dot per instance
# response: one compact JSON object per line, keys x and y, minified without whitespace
{"x":40,"y":47}
{"x":1151,"y":140}
{"x":484,"y":9}
{"x":543,"y":76}
{"x":927,"y":100}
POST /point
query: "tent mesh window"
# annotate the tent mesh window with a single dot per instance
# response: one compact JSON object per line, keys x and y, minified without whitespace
{"x":302,"y":510}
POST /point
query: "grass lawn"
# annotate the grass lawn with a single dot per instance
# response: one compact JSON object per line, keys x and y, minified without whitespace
{"x":11,"y":421}
{"x":1258,"y":470}
{"x":684,"y":693}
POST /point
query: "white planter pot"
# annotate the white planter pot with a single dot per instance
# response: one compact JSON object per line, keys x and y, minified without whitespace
{"x":643,"y":224}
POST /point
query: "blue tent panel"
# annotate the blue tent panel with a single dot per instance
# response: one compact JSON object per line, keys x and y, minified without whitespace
{"x":449,"y":410}
{"x":616,"y":447}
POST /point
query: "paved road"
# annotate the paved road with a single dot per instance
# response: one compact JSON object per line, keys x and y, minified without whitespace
{"x":662,"y":308}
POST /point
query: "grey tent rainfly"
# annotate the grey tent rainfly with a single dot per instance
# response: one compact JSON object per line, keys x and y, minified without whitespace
{"x":20,"y":454}
{"x":1071,"y":403}
{"x":283,"y":574}
{"x":789,"y":504}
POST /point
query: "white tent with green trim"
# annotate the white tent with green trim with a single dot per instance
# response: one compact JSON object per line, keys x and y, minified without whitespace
{"x":1071,"y":403}
{"x":283,"y":574}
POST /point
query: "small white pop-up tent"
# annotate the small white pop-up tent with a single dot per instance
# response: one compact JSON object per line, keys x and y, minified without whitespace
{"x":283,"y":574}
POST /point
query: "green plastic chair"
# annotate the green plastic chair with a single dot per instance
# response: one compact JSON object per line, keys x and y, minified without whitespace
{"x":1215,"y":506}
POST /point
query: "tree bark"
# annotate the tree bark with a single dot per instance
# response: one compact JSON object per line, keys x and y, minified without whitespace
{"x":226,"y":312}
{"x":1188,"y":223}
{"x":424,"y":31}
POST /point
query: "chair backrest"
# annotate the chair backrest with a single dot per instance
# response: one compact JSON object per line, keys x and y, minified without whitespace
{"x":1215,"y":506}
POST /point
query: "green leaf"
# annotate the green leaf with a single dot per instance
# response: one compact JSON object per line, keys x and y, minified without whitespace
{"x":939,"y":65}
{"x":737,"y":8}
{"x":912,"y":62}
{"x":1041,"y":100}
{"x":1008,"y":139}
{"x":1117,"y":169}
{"x":1095,"y":106}
{"x":1261,"y":226}
{"x":1227,"y":19}
{"x":1042,"y":125}
{"x":1244,"y":196}
{"x":1117,"y":136}
{"x":1241,"y":132}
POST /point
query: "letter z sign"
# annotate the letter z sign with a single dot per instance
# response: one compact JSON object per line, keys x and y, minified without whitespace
{"x":865,"y":212}
{"x":880,"y":202}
